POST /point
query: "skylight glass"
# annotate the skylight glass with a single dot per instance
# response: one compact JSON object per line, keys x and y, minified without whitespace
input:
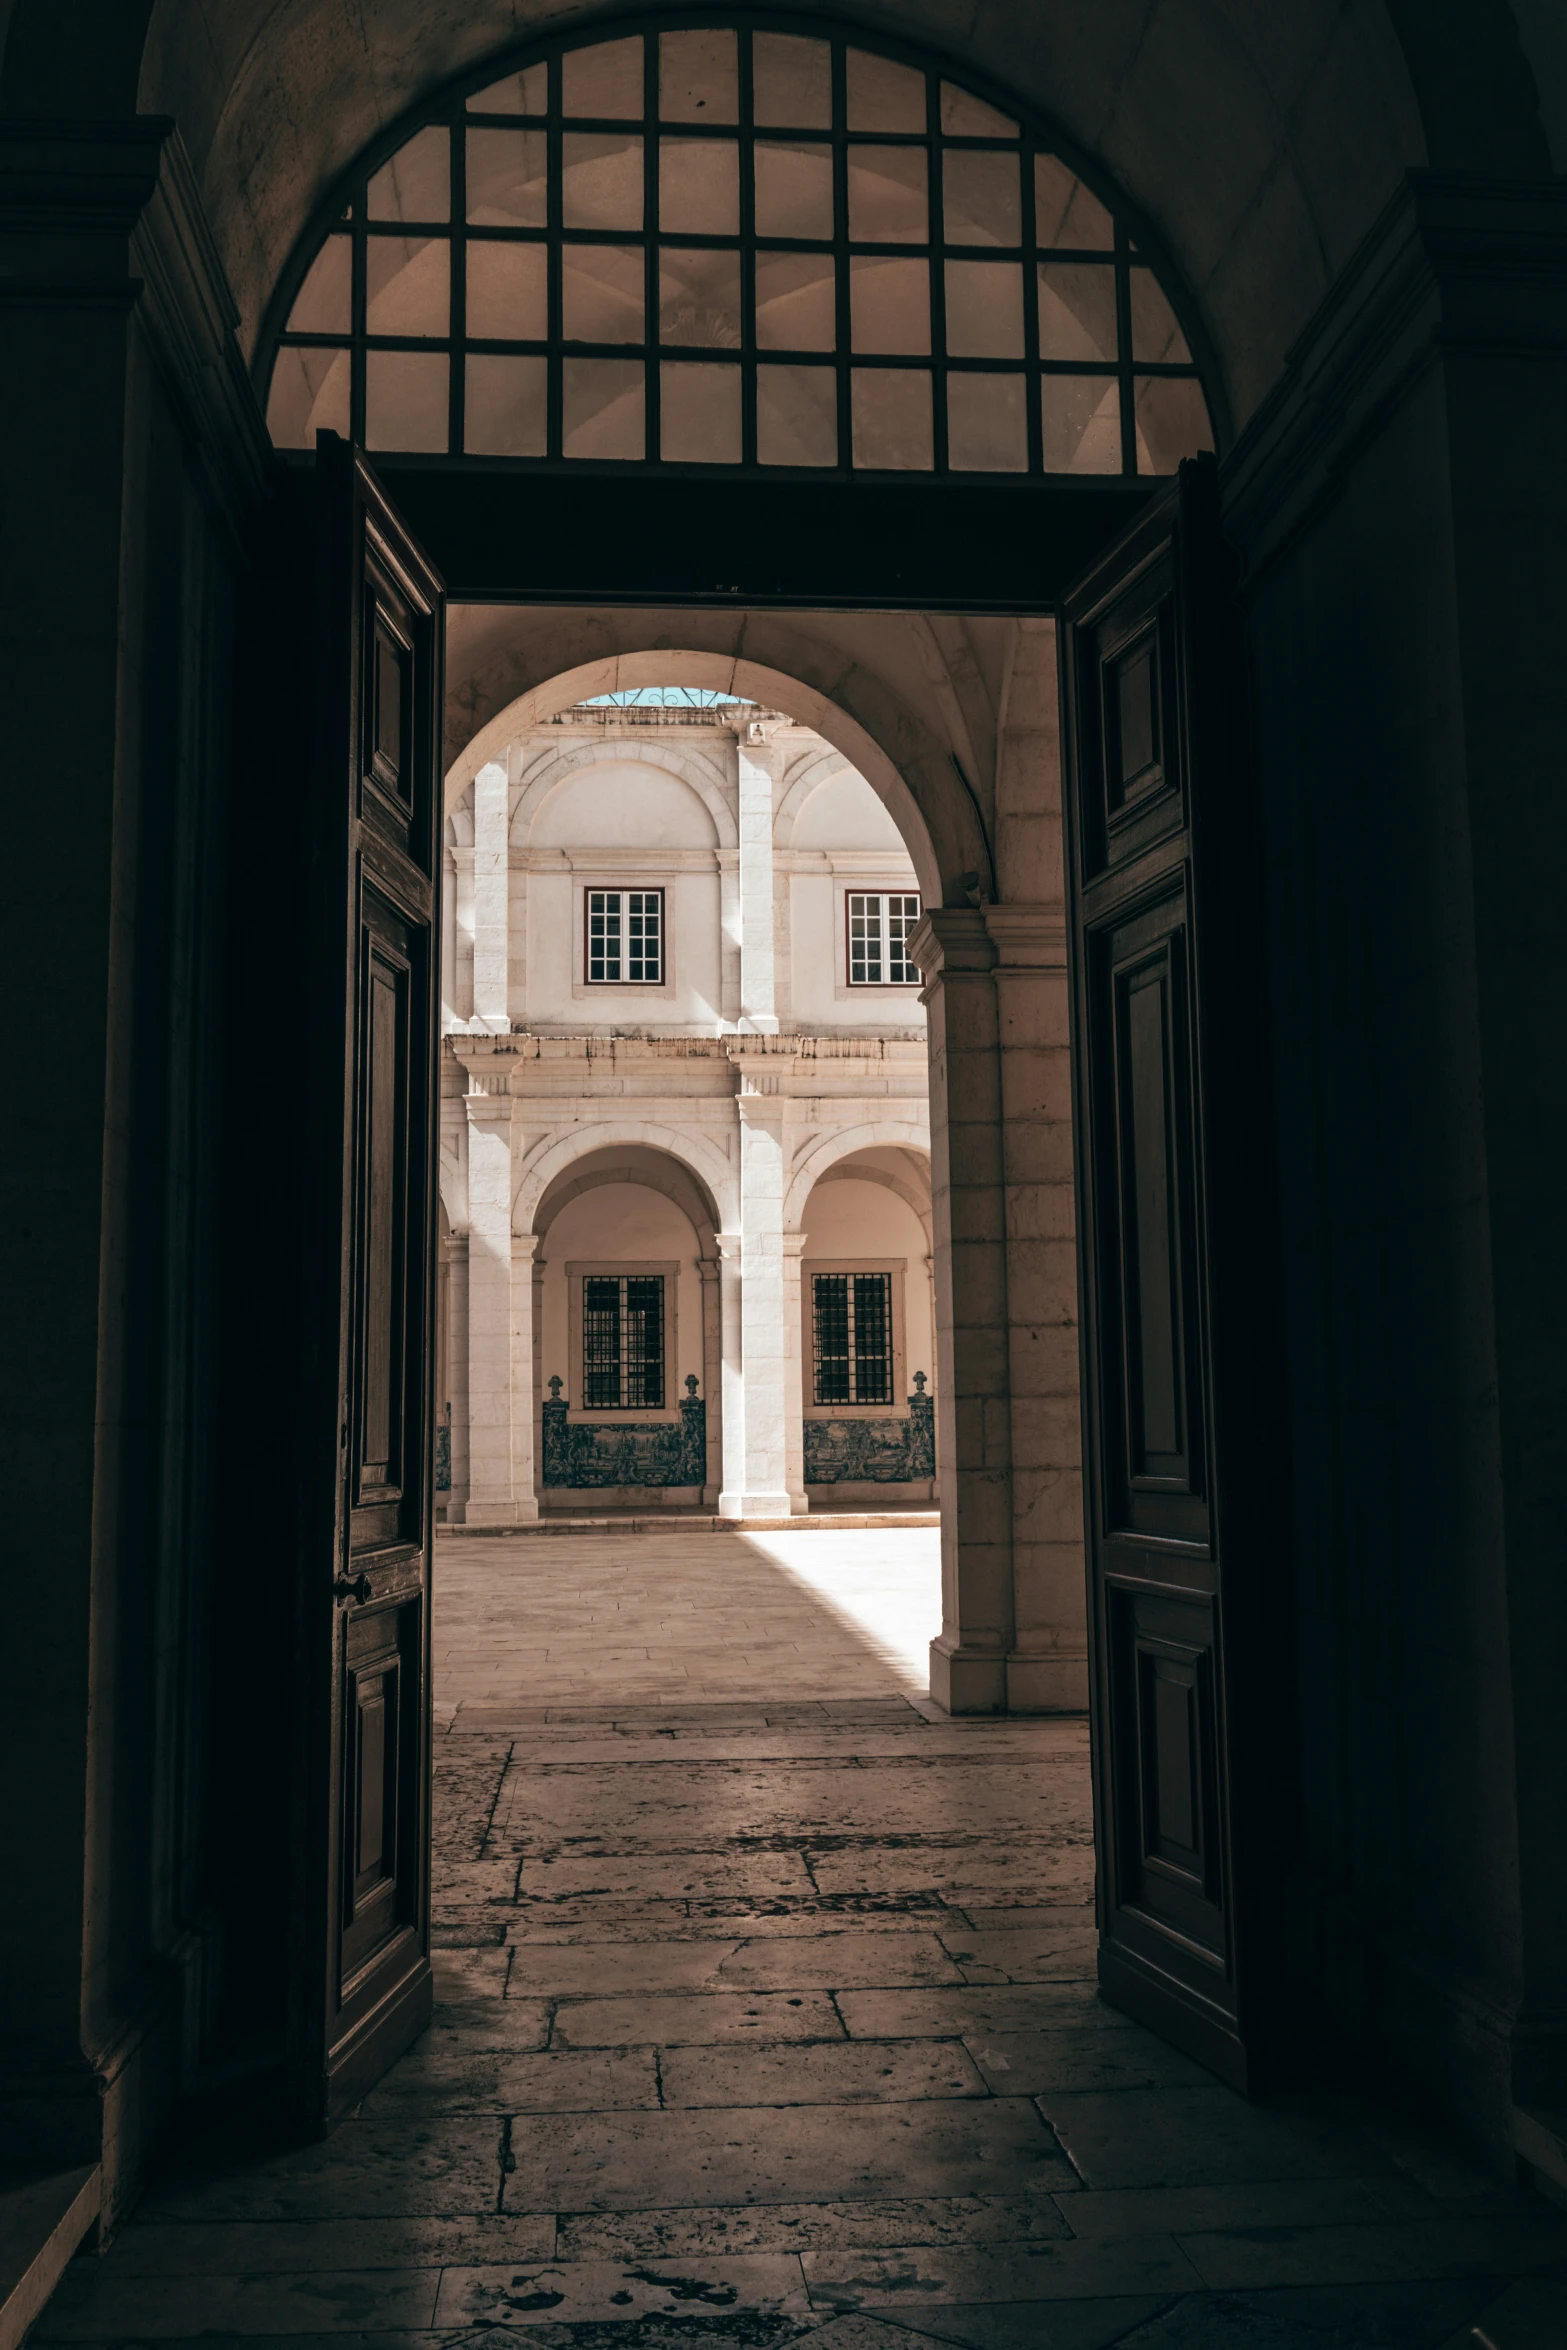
{"x":663,"y":697}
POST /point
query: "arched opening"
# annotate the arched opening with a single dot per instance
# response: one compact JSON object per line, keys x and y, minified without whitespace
{"x":908,"y":569}
{"x":678,"y":990}
{"x":711,"y":246}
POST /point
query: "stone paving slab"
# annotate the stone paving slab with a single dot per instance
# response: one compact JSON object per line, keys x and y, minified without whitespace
{"x":861,"y":2072}
{"x":766,"y":2017}
{"x":869,"y":2223}
{"x":625,"y":2161}
{"x":672,"y":2020}
{"x":579,"y":2292}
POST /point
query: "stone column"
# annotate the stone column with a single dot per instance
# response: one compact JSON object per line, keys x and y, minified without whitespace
{"x":491,"y":1494}
{"x":757,"y":764}
{"x":968,"y":1659}
{"x":1013,"y":1635}
{"x":712,"y":1376}
{"x":732,"y":1375}
{"x":491,"y":899}
{"x":524,"y":1387}
{"x":1047,"y":1671}
{"x":794,"y":1374}
{"x":765,"y":1493}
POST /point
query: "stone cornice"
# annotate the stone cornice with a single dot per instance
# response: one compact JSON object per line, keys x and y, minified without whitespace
{"x":1027,"y":937}
{"x":1454,"y":267}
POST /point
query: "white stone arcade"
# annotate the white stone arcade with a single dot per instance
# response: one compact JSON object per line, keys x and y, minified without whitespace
{"x":754,"y":1112}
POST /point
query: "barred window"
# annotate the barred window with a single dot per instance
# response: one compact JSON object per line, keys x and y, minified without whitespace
{"x":625,"y":937}
{"x":851,"y":1338}
{"x":623,"y":1342}
{"x":707,"y":245}
{"x":881,"y":923}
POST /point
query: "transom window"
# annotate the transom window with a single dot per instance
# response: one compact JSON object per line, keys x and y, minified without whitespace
{"x":707,"y":246}
{"x":623,"y":1342}
{"x":625,"y":937}
{"x":881,"y":922}
{"x":851,"y":1338}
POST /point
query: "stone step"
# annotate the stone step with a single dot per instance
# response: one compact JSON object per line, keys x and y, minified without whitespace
{"x":44,"y":2216}
{"x":701,"y":1522}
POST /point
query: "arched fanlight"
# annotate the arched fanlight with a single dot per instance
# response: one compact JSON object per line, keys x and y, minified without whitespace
{"x":723,"y":247}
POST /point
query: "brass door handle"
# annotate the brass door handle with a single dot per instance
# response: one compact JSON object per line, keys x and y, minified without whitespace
{"x":360,"y":1588}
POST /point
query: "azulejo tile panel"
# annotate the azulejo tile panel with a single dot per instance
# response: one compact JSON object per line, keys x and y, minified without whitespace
{"x":848,"y":1451}
{"x":621,"y":1452}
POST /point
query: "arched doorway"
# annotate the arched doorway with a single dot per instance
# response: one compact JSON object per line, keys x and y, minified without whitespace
{"x":1263,"y":218}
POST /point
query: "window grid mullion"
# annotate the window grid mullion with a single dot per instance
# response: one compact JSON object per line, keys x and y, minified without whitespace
{"x":652,"y":143}
{"x":936,"y":234}
{"x":457,"y":290}
{"x":747,"y":136}
{"x":840,"y":222}
{"x":554,"y":206}
{"x":1123,"y":350}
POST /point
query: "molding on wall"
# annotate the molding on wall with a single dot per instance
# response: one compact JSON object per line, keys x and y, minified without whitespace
{"x":109,"y":214}
{"x":1455,"y":268}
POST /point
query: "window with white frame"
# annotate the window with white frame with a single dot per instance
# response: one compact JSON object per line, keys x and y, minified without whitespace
{"x":851,"y":1338}
{"x":623,"y":1342}
{"x":881,"y":923}
{"x":624,"y":938}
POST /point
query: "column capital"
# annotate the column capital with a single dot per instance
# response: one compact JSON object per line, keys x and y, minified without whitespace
{"x":523,"y":1247}
{"x":794,"y":1244}
{"x":952,"y":941}
{"x":729,"y":1246}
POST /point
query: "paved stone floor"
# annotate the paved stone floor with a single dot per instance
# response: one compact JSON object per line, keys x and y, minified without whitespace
{"x":767,"y":2017}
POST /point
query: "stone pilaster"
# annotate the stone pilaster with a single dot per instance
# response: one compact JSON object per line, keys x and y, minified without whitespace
{"x":756,"y":777}
{"x":491,"y":1494}
{"x":491,"y":899}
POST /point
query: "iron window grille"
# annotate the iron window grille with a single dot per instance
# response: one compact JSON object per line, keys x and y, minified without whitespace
{"x":881,"y":923}
{"x":623,"y":937}
{"x":623,"y":1342}
{"x":710,"y":246}
{"x":851,"y":1338}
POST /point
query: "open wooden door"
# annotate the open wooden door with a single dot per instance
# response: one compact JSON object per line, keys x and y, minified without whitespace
{"x":1184,"y":1512}
{"x":336,"y":898}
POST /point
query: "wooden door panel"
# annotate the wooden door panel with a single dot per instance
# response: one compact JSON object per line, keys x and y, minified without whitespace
{"x":348,"y":717}
{"x":1180,"y":1453}
{"x":389,"y":1369}
{"x":1144,"y":1225}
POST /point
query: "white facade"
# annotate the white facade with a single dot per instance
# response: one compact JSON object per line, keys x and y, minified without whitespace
{"x":738,"y":1110}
